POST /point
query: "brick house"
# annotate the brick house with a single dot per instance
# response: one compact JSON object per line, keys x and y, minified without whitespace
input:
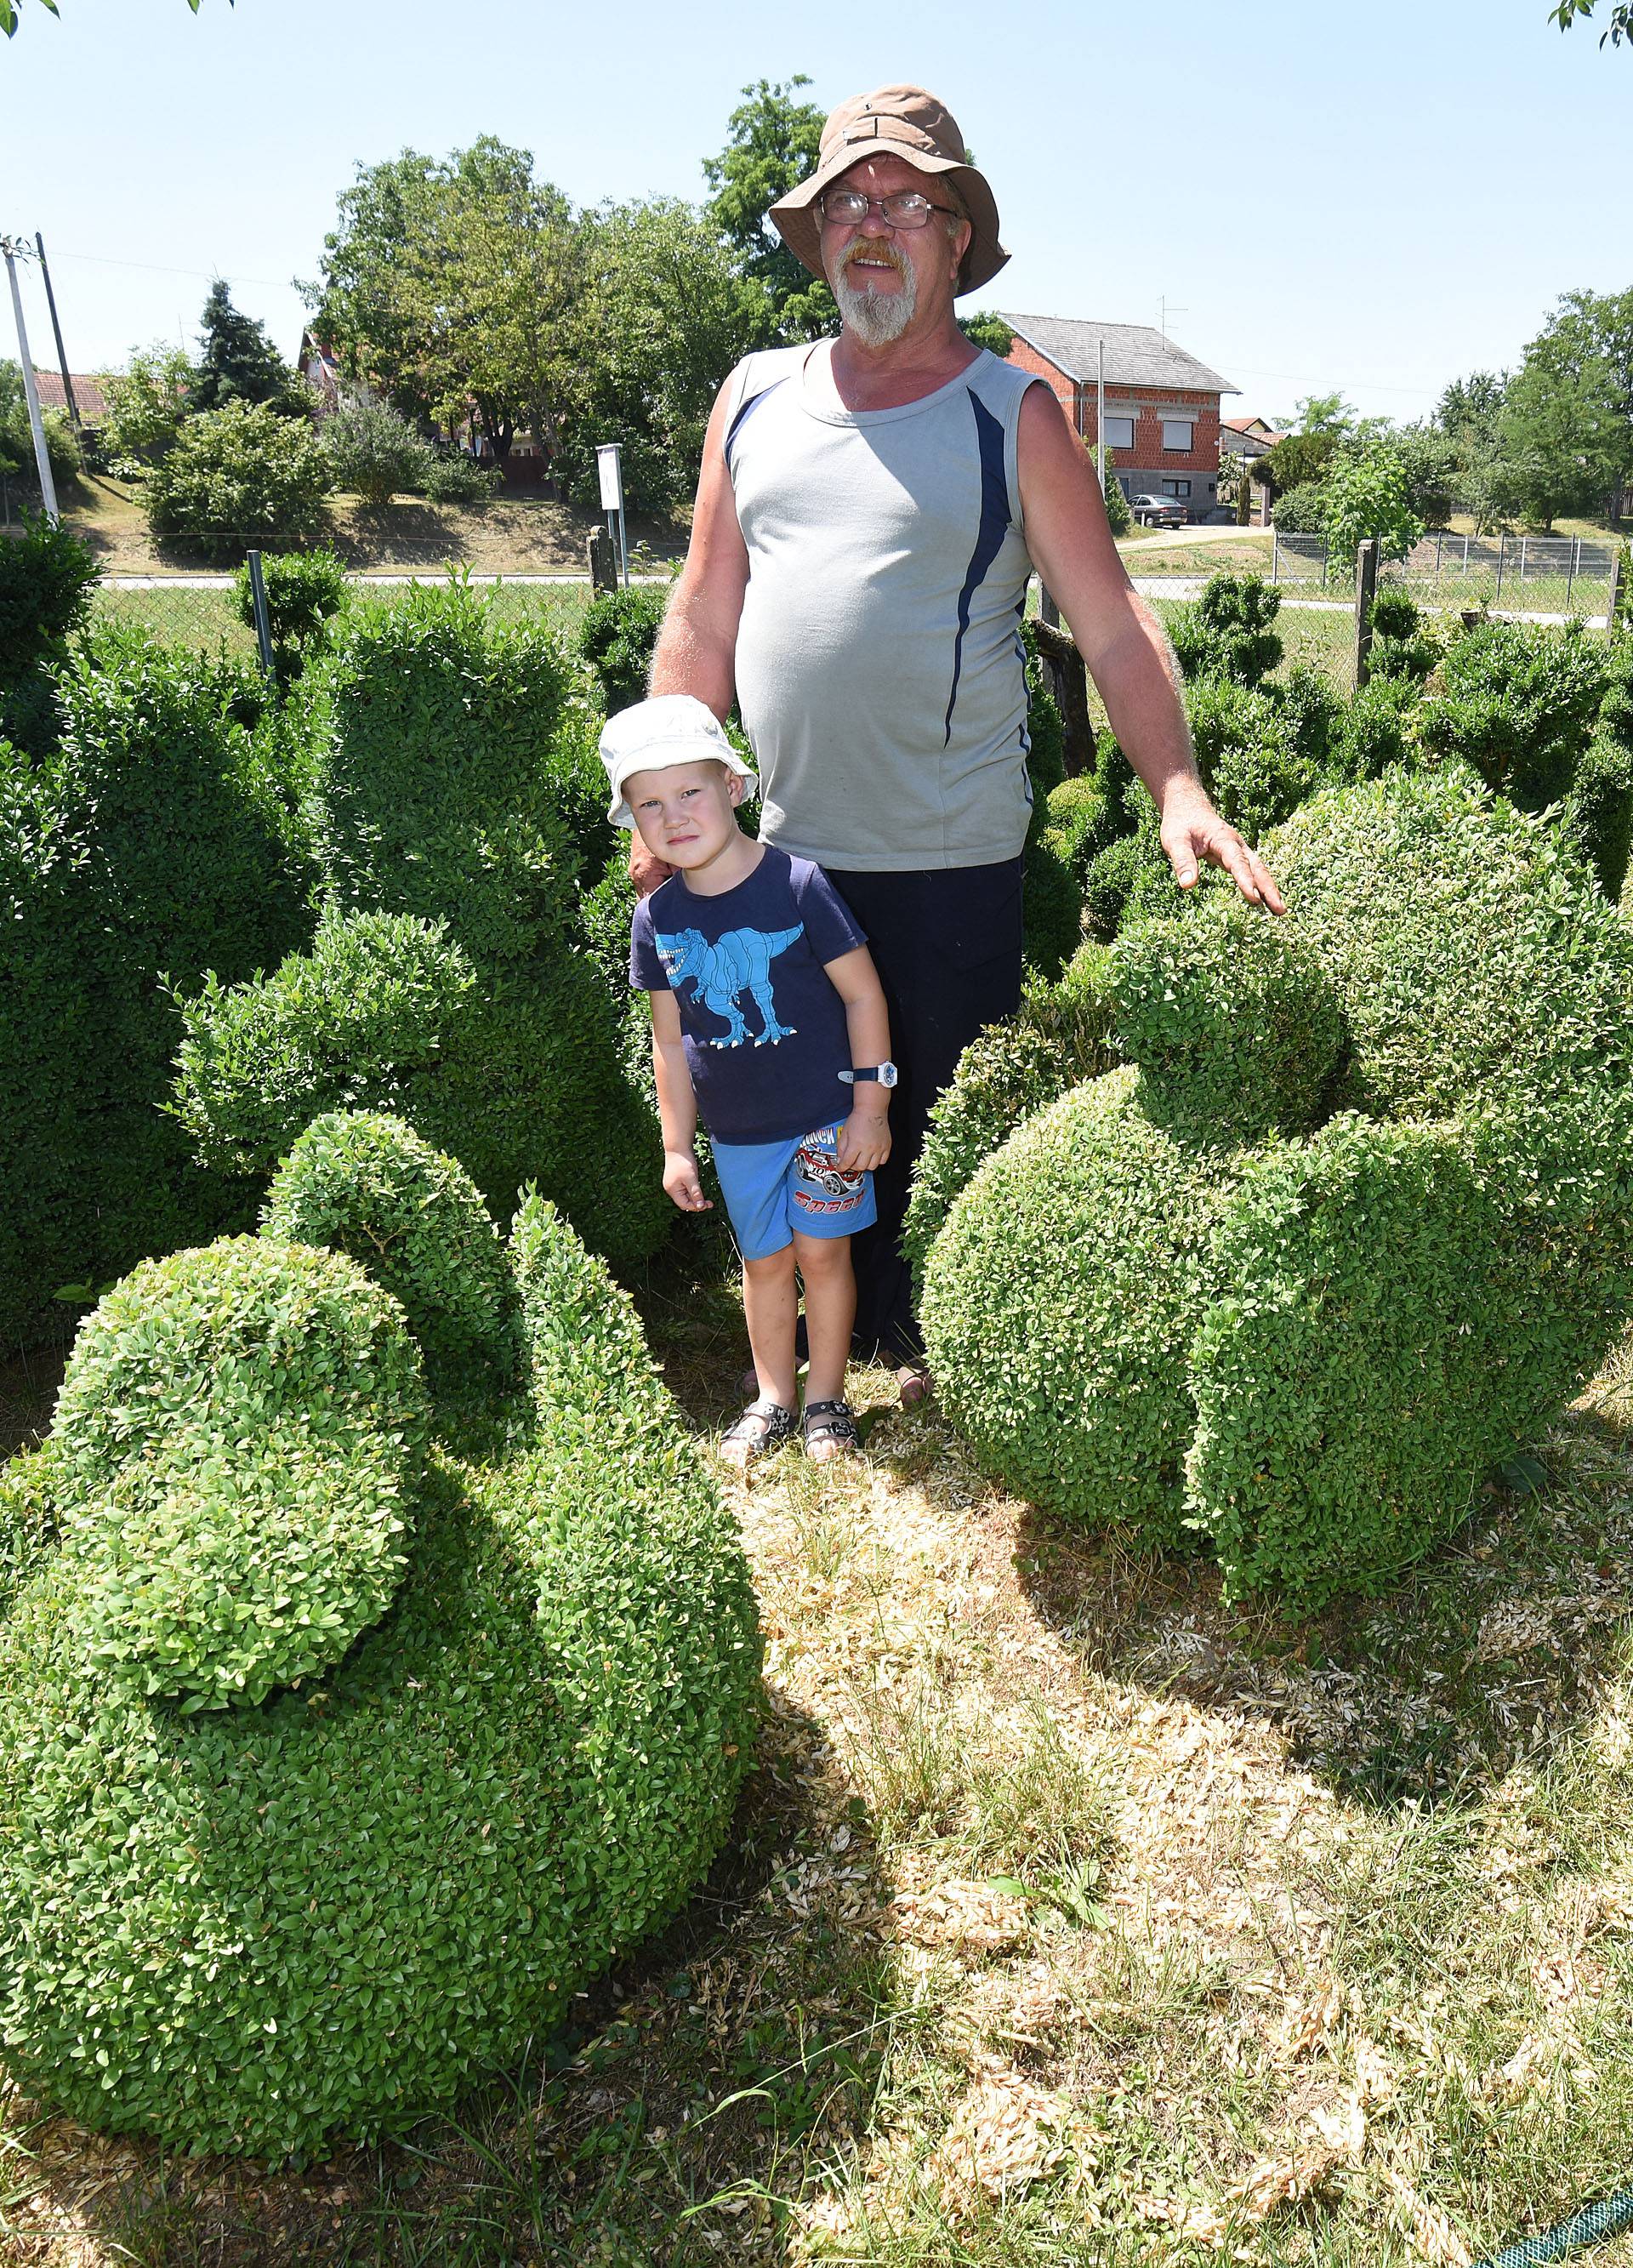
{"x":88,"y":398}
{"x":1162,"y":405}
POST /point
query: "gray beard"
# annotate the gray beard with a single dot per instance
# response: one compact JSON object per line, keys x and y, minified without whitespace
{"x":878,"y":319}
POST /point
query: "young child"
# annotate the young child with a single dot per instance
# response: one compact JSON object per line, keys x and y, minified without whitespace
{"x":768,"y":1018}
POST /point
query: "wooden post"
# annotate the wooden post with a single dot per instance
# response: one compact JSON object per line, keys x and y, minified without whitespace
{"x":1069,"y":682}
{"x":1365,"y":586}
{"x":602,"y":560}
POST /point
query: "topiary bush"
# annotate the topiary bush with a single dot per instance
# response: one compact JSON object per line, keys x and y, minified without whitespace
{"x":239,"y":1432}
{"x":1061,"y":1035}
{"x":367,"y":1184}
{"x":1228,"y":632}
{"x":617,"y":637}
{"x":46,"y":576}
{"x":1519,"y":703}
{"x":150,"y":847}
{"x":304,"y":590}
{"x":1402,"y":646}
{"x":451,"y":788}
{"x":1378,"y":730}
{"x":1081,"y":821}
{"x":263,"y":1926}
{"x":1404,"y":1123}
{"x":1598,"y":811}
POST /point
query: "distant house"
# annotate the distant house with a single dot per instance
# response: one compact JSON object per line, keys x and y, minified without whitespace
{"x":1248,"y":436}
{"x":317,"y":365}
{"x":1162,"y":405}
{"x":88,"y":398}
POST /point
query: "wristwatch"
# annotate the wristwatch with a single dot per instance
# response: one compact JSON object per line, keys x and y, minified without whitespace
{"x":884,"y":1074}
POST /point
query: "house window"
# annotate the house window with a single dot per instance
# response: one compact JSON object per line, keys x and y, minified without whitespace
{"x":1176,"y":432}
{"x":1120,"y":432}
{"x":1176,"y":487}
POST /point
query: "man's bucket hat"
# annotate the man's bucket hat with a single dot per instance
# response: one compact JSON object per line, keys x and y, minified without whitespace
{"x":895,"y":121}
{"x":671,"y":728}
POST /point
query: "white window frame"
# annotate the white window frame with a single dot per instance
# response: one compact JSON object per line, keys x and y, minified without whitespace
{"x":1114,"y":426}
{"x":1172,"y":425}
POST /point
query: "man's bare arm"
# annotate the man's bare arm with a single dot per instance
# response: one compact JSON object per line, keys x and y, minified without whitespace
{"x":697,"y":646}
{"x":1071,"y":542}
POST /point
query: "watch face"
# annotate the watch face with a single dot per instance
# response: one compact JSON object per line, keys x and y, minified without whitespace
{"x":887,"y":1074}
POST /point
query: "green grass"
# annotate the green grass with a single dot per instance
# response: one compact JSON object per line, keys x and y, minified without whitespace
{"x":209,"y":617}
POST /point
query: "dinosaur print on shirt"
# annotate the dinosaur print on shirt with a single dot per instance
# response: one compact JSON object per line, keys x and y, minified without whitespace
{"x":722,"y":974}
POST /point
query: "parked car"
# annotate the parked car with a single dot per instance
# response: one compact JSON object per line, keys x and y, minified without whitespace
{"x":1158,"y":511}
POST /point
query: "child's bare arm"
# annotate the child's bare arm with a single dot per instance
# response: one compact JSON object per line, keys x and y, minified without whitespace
{"x":677,"y":1107}
{"x":864,"y":1138}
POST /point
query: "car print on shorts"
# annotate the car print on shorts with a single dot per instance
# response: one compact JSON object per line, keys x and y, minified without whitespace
{"x":814,"y":1165}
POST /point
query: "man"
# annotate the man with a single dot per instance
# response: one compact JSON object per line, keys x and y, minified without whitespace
{"x":868,"y":514}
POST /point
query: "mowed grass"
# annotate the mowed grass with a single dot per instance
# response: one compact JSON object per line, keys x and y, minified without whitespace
{"x":1069,"y":1916}
{"x":209,"y":617}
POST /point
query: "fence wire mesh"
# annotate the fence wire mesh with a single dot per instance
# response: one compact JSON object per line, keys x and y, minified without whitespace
{"x":1545,"y":575}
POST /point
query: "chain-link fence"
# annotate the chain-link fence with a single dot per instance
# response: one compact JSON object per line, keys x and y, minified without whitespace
{"x":1559,"y":575}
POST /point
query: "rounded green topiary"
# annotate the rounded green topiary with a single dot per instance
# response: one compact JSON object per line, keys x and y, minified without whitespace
{"x":1060,"y":1036}
{"x":238,"y":1437}
{"x":1081,"y":822}
{"x":257,"y":1929}
{"x":1061,"y":1296}
{"x":1236,"y":1030}
{"x":367,"y":1184}
{"x":1349,"y":1387}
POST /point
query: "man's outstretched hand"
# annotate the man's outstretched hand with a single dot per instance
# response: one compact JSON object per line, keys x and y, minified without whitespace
{"x":1193,"y":832}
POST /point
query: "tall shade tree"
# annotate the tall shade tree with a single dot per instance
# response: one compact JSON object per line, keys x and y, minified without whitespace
{"x":772,"y":145}
{"x":664,"y":319}
{"x":8,"y":12}
{"x":237,"y":362}
{"x":454,"y":286}
{"x":1567,"y":424}
{"x":1618,"y":27}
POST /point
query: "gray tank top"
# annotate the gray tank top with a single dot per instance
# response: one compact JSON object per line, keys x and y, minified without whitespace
{"x":879,"y":669}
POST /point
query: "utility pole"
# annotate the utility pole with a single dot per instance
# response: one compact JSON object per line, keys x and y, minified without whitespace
{"x":57,"y":332}
{"x":48,"y":491}
{"x":1100,"y":406}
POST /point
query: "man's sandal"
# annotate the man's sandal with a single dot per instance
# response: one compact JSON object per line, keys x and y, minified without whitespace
{"x":830,"y":1431}
{"x":763,"y":1427}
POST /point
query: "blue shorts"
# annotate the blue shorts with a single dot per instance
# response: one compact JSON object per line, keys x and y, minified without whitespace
{"x":771,"y":1189}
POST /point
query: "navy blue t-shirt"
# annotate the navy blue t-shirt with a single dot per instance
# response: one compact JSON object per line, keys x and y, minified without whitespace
{"x":765,"y":1032}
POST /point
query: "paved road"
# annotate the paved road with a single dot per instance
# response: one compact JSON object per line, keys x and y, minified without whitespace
{"x":1209,"y":531}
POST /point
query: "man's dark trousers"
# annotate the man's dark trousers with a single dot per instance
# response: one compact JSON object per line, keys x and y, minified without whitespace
{"x":946,"y":944}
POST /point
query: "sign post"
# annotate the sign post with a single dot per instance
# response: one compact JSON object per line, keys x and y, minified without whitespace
{"x":609,"y":465}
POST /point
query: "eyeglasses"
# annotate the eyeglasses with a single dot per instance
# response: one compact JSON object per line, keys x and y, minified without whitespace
{"x":845,"y":207}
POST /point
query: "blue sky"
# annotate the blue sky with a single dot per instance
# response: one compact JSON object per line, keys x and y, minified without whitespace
{"x":1375,"y":199}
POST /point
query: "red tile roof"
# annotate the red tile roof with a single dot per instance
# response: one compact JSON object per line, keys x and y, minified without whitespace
{"x":88,"y":394}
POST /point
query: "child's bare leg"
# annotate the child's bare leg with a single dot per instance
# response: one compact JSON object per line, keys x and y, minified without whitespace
{"x":769,"y":1303}
{"x":830,"y":1311}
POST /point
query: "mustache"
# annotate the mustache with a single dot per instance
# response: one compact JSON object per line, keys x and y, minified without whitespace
{"x":873,"y":247}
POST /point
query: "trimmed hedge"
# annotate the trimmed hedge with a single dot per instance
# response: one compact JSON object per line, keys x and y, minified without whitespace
{"x":151,"y":846}
{"x":452,"y":788}
{"x":1519,"y":703}
{"x":366,"y":1184}
{"x":1060,"y":1301}
{"x":1341,"y":1331}
{"x":46,"y":576}
{"x":261,"y":1929}
{"x":1061,"y":1035}
{"x":1229,"y":633}
{"x":617,"y":637}
{"x":1237,"y":1031}
{"x":239,"y":1432}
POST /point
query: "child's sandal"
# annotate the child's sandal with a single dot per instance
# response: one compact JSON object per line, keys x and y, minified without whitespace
{"x":830,"y":1431}
{"x":763,"y":1427}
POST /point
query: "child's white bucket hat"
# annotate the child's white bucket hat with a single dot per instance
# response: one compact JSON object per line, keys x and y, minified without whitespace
{"x":671,"y":728}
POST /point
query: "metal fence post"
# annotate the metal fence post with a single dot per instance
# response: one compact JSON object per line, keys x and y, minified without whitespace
{"x":1502,"y":554}
{"x":263,"y":626}
{"x":1522,"y":570}
{"x":1276,"y":556}
{"x":1570,"y":572}
{"x":1365,"y":584}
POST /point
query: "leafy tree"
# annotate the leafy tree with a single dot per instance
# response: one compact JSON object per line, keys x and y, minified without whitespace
{"x":17,"y":438}
{"x":773,"y":143}
{"x":1320,"y":422}
{"x":1430,"y":461}
{"x":145,"y":405}
{"x":989,"y":331}
{"x":1567,"y":424}
{"x":1368,"y":493}
{"x":1619,"y":26}
{"x":663,"y":317}
{"x":454,"y":286}
{"x":240,"y":471}
{"x":1473,"y":404}
{"x":238,"y":362}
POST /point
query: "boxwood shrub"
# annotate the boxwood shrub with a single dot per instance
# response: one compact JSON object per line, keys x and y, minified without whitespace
{"x":261,"y":1929}
{"x":1342,"y":1328}
{"x":238,"y":1432}
{"x":1060,"y":1301}
{"x":1518,"y":702}
{"x":364,"y":1183}
{"x":151,"y":846}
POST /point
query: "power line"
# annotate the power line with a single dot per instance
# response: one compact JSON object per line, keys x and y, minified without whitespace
{"x":160,"y":268}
